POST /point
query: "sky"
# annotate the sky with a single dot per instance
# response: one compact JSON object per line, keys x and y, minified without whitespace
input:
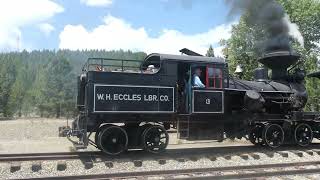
{"x":162,"y":26}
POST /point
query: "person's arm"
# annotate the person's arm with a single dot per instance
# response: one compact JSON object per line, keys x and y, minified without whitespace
{"x":198,"y":83}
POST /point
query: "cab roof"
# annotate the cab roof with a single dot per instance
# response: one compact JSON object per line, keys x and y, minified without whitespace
{"x":156,"y":57}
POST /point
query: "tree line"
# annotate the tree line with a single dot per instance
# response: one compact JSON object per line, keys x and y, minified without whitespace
{"x":43,"y":83}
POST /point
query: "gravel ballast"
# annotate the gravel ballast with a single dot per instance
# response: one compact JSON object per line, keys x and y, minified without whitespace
{"x":41,"y":135}
{"x":76,"y":167}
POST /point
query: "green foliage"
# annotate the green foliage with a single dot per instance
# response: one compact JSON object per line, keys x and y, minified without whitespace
{"x":210,"y":52}
{"x":44,"y":82}
{"x":243,"y":48}
{"x":8,"y":71}
{"x":306,"y":14}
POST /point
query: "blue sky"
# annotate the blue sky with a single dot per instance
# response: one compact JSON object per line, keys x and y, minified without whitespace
{"x":146,"y":25}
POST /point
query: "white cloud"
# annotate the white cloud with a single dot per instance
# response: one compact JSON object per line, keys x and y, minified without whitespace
{"x":15,"y":14}
{"x":218,"y":51}
{"x":46,"y":28}
{"x":115,"y":33}
{"x":97,"y":3}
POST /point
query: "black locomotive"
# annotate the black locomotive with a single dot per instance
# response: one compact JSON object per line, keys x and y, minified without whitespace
{"x":132,"y":104}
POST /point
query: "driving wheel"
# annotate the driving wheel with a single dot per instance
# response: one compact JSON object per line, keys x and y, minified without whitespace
{"x":96,"y":136}
{"x":155,"y":139}
{"x":113,"y":140}
{"x":255,"y":136}
{"x":273,"y":135}
{"x":303,"y":135}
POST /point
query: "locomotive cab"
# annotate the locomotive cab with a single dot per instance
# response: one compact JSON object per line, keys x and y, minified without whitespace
{"x":202,"y":105}
{"x":202,"y":113}
{"x":213,"y":75}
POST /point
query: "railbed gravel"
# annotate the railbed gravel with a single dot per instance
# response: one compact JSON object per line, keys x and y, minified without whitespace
{"x":76,"y":167}
{"x":40,"y":135}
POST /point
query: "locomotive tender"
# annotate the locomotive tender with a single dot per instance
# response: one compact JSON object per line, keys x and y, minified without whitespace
{"x":132,"y":104}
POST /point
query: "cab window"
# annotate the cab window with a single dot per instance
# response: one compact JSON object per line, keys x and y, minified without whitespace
{"x":214,"y":77}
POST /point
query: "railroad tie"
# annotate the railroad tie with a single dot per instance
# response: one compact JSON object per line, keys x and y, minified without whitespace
{"x":317,"y":151}
{"x":212,"y":158}
{"x":61,"y":165}
{"x":36,"y":166}
{"x":88,"y":164}
{"x":162,"y":161}
{"x":298,"y":153}
{"x":269,"y":154}
{"x":311,"y":153}
{"x":194,"y":159}
{"x":244,"y":156}
{"x":108,"y":164}
{"x":228,"y":157}
{"x":255,"y":156}
{"x":137,"y":163}
{"x":15,"y":166}
{"x":181,"y":160}
{"x":283,"y":154}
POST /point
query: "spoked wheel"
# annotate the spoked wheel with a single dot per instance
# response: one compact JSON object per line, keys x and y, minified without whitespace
{"x":96,"y":136}
{"x":273,"y":135}
{"x":155,"y":139}
{"x":255,"y":136}
{"x":303,"y":135}
{"x":113,"y":140}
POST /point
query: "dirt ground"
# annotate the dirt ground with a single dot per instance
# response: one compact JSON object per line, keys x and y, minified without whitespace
{"x":41,"y":135}
{"x":32,"y":135}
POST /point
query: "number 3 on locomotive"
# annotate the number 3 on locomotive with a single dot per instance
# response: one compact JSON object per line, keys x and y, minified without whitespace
{"x":208,"y":101}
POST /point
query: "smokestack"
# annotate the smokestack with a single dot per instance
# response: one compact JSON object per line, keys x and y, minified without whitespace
{"x":278,"y":62}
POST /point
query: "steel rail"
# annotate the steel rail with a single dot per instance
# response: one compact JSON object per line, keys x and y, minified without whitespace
{"x":262,"y":174}
{"x":168,"y":174}
{"x":170,"y":153}
{"x":46,"y":156}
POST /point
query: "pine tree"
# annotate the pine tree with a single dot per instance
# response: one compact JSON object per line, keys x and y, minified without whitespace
{"x":210,"y":52}
{"x":44,"y":82}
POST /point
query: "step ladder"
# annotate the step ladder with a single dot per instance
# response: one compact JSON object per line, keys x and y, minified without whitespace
{"x":183,"y":126}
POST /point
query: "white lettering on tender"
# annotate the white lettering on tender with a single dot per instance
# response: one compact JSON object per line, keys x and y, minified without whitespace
{"x":164,"y":98}
{"x":126,"y":97}
{"x":108,"y":97}
{"x":150,"y":97}
{"x":133,"y":97}
{"x":100,"y":96}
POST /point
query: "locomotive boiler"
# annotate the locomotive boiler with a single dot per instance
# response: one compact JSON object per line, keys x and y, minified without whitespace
{"x":282,"y":93}
{"x":128,"y":104}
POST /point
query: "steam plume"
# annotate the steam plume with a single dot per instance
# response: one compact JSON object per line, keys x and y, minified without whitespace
{"x":270,"y":15}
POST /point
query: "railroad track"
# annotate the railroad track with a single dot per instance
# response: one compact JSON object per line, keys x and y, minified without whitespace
{"x":46,"y":156}
{"x":169,"y":154}
{"x":231,"y":172}
{"x":137,"y":157}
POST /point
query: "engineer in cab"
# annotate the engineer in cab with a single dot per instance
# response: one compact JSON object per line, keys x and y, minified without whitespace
{"x":196,"y":79}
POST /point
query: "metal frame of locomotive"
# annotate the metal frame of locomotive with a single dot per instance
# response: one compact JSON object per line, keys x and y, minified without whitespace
{"x":130,"y":108}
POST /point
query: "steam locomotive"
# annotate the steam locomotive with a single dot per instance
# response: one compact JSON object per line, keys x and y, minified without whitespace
{"x":129,"y":104}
